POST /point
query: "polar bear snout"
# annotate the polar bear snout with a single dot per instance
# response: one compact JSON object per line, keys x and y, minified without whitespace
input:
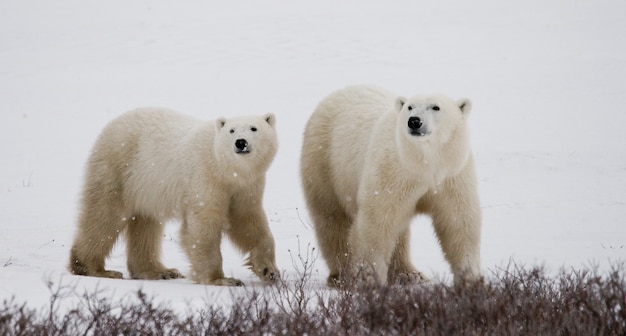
{"x":241,"y":146}
{"x":415,"y":123}
{"x":416,"y":127}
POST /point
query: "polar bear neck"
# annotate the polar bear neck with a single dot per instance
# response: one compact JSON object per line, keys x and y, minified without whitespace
{"x":428,"y":160}
{"x":235,"y":170}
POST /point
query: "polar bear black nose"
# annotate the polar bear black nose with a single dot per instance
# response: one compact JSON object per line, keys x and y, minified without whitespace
{"x":415,"y":123}
{"x":241,"y":144}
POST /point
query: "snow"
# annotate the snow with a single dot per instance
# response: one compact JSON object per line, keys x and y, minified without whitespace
{"x":546,"y":79}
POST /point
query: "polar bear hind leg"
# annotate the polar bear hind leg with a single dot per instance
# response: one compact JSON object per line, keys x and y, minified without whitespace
{"x":99,"y":225}
{"x":332,"y":228}
{"x":144,"y":235}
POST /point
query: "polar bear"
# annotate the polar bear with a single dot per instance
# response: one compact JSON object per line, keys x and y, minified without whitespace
{"x":370,"y":162}
{"x":151,"y":165}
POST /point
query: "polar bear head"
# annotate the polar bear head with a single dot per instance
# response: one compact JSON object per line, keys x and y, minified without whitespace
{"x":246,"y":144}
{"x":434,"y":118}
{"x":433,"y":128}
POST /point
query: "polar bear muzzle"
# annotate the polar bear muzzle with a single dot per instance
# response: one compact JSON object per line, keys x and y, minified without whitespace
{"x":241,"y":146}
{"x":416,"y":127}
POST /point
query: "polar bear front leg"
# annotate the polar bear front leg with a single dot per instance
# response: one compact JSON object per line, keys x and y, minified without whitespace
{"x":201,"y":240}
{"x":401,"y":271}
{"x":249,"y":231}
{"x":456,"y":215}
{"x":375,"y":234}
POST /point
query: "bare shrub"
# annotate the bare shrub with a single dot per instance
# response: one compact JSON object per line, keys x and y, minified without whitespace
{"x":515,"y":301}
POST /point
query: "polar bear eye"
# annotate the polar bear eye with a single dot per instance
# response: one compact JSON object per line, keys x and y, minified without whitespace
{"x":253,"y":129}
{"x":435,"y":108}
{"x":232,"y":130}
{"x":410,"y":108}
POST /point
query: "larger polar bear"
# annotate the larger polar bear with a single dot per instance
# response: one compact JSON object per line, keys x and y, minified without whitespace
{"x":371,"y":161}
{"x":151,"y":165}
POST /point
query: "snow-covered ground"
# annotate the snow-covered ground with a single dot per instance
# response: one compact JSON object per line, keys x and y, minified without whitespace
{"x":547,"y":79}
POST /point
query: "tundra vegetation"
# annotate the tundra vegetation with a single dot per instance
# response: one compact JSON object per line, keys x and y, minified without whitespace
{"x":513,"y":300}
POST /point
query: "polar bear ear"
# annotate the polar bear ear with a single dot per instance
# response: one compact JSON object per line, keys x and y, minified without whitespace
{"x":270,"y":118}
{"x":220,"y":122}
{"x":465,"y":105}
{"x":400,"y":101}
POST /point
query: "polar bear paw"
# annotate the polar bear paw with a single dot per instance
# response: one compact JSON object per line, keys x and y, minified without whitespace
{"x":107,"y":274}
{"x":226,"y":282}
{"x":161,"y":274}
{"x":411,"y":278}
{"x":268,"y":274}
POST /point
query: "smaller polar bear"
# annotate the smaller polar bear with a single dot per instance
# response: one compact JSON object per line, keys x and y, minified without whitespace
{"x":370,"y":162}
{"x":151,"y":165}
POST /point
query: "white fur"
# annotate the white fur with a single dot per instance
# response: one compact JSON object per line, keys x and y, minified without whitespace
{"x":365,"y":176}
{"x":151,"y":165}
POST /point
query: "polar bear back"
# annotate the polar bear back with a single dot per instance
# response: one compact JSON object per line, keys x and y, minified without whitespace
{"x":342,"y":126}
{"x":145,"y":150}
